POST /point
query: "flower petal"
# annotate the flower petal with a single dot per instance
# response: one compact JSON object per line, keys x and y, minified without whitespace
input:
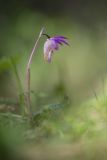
{"x":60,"y":37}
{"x":63,"y":41}
{"x":60,"y":40}
{"x":48,"y":56}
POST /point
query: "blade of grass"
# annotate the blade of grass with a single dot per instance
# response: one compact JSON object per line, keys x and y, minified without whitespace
{"x":20,"y":88}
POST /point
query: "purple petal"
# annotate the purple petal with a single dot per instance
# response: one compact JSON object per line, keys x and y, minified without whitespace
{"x":62,"y":37}
{"x":60,"y":41}
{"x":63,"y":41}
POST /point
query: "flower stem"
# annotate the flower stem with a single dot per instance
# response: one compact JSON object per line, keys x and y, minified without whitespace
{"x":28,"y":99}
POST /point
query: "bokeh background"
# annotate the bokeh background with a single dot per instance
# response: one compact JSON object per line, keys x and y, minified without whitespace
{"x":77,"y":72}
{"x":79,"y":67}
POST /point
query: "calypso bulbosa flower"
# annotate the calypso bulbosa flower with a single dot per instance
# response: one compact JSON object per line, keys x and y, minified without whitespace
{"x":52,"y":44}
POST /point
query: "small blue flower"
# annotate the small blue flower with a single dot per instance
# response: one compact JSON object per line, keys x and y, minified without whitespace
{"x":52,"y":44}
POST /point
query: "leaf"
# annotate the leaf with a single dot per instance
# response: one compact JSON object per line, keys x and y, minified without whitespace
{"x":5,"y":63}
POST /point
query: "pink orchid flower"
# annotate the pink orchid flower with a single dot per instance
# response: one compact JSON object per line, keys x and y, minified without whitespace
{"x":52,"y":44}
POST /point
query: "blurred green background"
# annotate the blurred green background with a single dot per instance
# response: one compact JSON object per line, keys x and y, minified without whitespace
{"x":79,"y":68}
{"x":76,"y":78}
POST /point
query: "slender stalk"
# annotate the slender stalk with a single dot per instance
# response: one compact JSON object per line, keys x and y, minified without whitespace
{"x":28,"y":99}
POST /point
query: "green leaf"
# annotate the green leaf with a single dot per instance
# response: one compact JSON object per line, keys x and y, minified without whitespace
{"x":5,"y":63}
